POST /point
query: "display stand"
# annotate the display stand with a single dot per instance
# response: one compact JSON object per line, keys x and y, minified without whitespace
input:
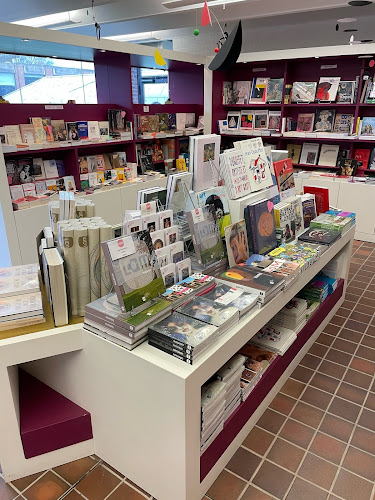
{"x":145,"y":404}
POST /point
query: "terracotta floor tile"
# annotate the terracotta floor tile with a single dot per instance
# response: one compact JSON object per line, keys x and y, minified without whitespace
{"x":364,"y":309}
{"x":367,"y":302}
{"x":318,"y":471}
{"x":357,"y":326}
{"x":370,"y":401}
{"x":338,"y":357}
{"x":353,"y":291}
{"x":258,"y":440}
{"x":347,"y":334}
{"x":336,"y":427}
{"x":358,"y":379}
{"x":316,"y":398}
{"x":352,"y":297}
{"x":6,"y":491}
{"x":351,"y":393}
{"x":368,"y":341}
{"x":297,"y":433}
{"x":363,"y":365}
{"x":285,"y":454}
{"x":73,"y":471}
{"x":302,"y":374}
{"x":292,"y":388}
{"x":307,"y":414}
{"x":73,"y":495}
{"x":362,"y":251}
{"x":366,"y":353}
{"x":344,"y":345}
{"x":369,"y":294}
{"x":243,"y":463}
{"x":361,"y":317}
{"x":318,"y":350}
{"x":344,"y":312}
{"x":364,"y":439}
{"x":344,"y":409}
{"x":337,"y":320}
{"x":332,"y":369}
{"x":253,"y":493}
{"x":325,"y":339}
{"x":107,"y":466}
{"x":98,"y":484}
{"x":265,"y":479}
{"x":367,"y":419}
{"x":282,"y":403}
{"x":371,"y":331}
{"x":310,"y":361}
{"x":324,"y":382}
{"x":360,"y":463}
{"x":136,"y":487}
{"x":226,"y":487}
{"x":24,"y":482}
{"x":48,"y":487}
{"x":271,"y":421}
{"x":327,"y":447}
{"x":358,"y":284}
{"x":301,"y":490}
{"x":349,"y":304}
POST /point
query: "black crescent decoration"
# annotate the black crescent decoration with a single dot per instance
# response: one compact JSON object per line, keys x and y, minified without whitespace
{"x":229,"y":52}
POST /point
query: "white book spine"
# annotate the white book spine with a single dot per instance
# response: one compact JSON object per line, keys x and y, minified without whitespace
{"x":94,"y":262}
{"x":81,"y":254}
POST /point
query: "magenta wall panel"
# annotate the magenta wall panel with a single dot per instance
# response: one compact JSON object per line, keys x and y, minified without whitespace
{"x":186,"y":83}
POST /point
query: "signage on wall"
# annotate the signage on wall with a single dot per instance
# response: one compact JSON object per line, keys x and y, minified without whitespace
{"x":53,"y":106}
{"x":328,"y":66}
{"x":259,"y":69}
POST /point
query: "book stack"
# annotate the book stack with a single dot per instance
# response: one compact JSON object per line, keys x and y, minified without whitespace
{"x":301,"y":253}
{"x":212,"y":412}
{"x":319,"y":235}
{"x":289,"y":270}
{"x":210,"y":312}
{"x":235,"y":173}
{"x":257,"y":362}
{"x":285,"y":222}
{"x":292,"y":316}
{"x":75,"y":208}
{"x":186,"y":289}
{"x":204,"y":161}
{"x":104,"y":318}
{"x":21,"y":300}
{"x":230,"y":374}
{"x":231,"y":296}
{"x":105,"y":169}
{"x":331,"y":282}
{"x":183,"y":337}
{"x":178,"y":189}
{"x":276,"y":338}
{"x":260,"y":223}
{"x":316,"y":290}
{"x":340,"y":223}
{"x":54,"y":279}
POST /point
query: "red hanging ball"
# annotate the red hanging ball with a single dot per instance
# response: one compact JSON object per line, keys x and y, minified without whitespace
{"x":216,"y":50}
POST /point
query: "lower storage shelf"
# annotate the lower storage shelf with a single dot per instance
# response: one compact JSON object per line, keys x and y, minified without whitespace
{"x":243,"y":413}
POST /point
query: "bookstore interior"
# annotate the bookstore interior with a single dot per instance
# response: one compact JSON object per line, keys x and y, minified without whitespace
{"x":187,"y":255}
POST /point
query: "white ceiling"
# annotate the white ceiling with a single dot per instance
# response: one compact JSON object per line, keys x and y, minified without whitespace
{"x":268,"y":24}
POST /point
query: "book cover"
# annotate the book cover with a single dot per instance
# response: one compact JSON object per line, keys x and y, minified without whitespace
{"x":345,"y":92}
{"x":83,"y":130}
{"x":13,"y":134}
{"x":180,"y":121}
{"x":343,"y":123}
{"x":236,"y":242}
{"x":241,"y":92}
{"x":362,"y":156}
{"x":72,"y":131}
{"x":294,"y":152}
{"x":228,"y":93}
{"x":177,"y":252}
{"x":274,"y":120}
{"x":40,"y":187}
{"x":93,"y":130}
{"x":205,"y":232}
{"x":25,"y":166}
{"x":262,"y":227}
{"x":131,"y":263}
{"x":303,"y":91}
{"x":235,"y":172}
{"x":260,"y":119}
{"x":29,"y":189}
{"x":275,"y":89}
{"x":16,"y":192}
{"x":328,"y":155}
{"x":321,"y":197}
{"x":309,"y":154}
{"x":84,"y":178}
{"x":82,"y":164}
{"x":183,"y":269}
{"x":247,"y":120}
{"x":285,"y":177}
{"x":305,"y":122}
{"x":368,"y":126}
{"x":171,"y":121}
{"x":285,"y":220}
{"x":47,"y":125}
{"x":324,"y":119}
{"x":69,"y":183}
{"x":51,"y":184}
{"x":28,"y":133}
{"x":275,"y":337}
{"x":227,"y":295}
{"x":308,"y":209}
{"x":234,"y":119}
{"x":13,"y":172}
{"x":320,"y":236}
{"x":208,"y":311}
{"x":40,"y":134}
{"x":150,"y":223}
{"x":38,"y":169}
{"x":163,"y":121}
{"x":206,"y":161}
{"x":168,"y":273}
{"x":218,"y":198}
{"x":58,"y":130}
{"x":251,"y":279}
{"x":347,"y":167}
{"x":157,"y":237}
{"x":256,"y":162}
{"x":60,"y":167}
{"x":259,"y":90}
{"x":327,"y":88}
{"x":104,"y":130}
{"x":3,"y":136}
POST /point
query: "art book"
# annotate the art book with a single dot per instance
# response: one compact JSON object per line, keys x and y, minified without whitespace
{"x":218,"y":198}
{"x":256,"y":162}
{"x":252,"y":280}
{"x":27,"y":133}
{"x":233,"y":119}
{"x":324,"y":119}
{"x":328,"y":155}
{"x":260,"y":119}
{"x":305,"y":122}
{"x":206,"y":161}
{"x":236,"y":241}
{"x":320,"y":236}
{"x":58,"y":130}
{"x":40,"y":134}
{"x":205,"y":233}
{"x":368,"y":125}
{"x":309,"y":154}
{"x":347,"y":167}
{"x":343,"y":123}
{"x":47,"y":125}
{"x":321,"y":197}
{"x":228,"y":93}
{"x":260,"y":222}
{"x":303,"y":91}
{"x":275,"y":89}
{"x":235,"y":173}
{"x":274,"y":120}
{"x":294,"y":152}
{"x":231,"y":296}
{"x":285,"y":178}
{"x":247,"y":120}
{"x":241,"y":92}
{"x":208,"y":311}
{"x":327,"y":88}
{"x":133,"y":269}
{"x":345,"y":92}
{"x":259,"y":90}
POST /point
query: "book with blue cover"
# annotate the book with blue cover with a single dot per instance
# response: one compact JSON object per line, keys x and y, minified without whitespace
{"x":261,"y":228}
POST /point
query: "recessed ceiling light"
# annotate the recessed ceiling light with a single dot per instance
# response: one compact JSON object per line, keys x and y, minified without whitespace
{"x":350,"y":30}
{"x":366,"y":41}
{"x":316,"y":57}
{"x":25,"y":40}
{"x":359,"y":3}
{"x":365,"y":56}
{"x":347,"y":20}
{"x":102,"y":50}
{"x":54,"y":57}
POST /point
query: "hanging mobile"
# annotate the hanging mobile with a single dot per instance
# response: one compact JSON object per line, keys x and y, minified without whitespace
{"x":96,"y":24}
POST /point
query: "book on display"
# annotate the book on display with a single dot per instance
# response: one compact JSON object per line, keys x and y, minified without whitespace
{"x":257,"y":359}
{"x":54,"y":278}
{"x":303,"y":91}
{"x":236,"y":242}
{"x":343,"y":123}
{"x":345,"y":92}
{"x":260,"y":222}
{"x":18,"y":284}
{"x":234,"y":171}
{"x":256,"y":163}
{"x":327,"y":88}
{"x":309,"y":154}
{"x":324,"y":120}
{"x":247,"y":120}
{"x":218,"y":197}
{"x":231,"y":296}
{"x":319,"y":235}
{"x":210,"y":312}
{"x":18,"y":307}
{"x":328,"y":155}
{"x":305,"y":122}
{"x":321,"y":197}
{"x":276,"y":338}
{"x":241,"y":92}
{"x":205,"y":165}
{"x":275,"y":89}
{"x":285,"y":178}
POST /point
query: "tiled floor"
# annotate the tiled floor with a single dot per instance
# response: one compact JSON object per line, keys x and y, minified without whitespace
{"x":316,"y":441}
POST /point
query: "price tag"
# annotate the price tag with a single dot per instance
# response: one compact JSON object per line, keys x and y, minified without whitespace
{"x":229,"y":297}
{"x":198,"y":216}
{"x":121,"y":247}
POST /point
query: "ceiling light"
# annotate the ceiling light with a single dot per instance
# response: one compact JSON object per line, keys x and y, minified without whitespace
{"x":193,"y":4}
{"x":61,"y":19}
{"x":366,"y":41}
{"x":25,"y":40}
{"x":347,"y":20}
{"x":350,"y":30}
{"x":359,"y":3}
{"x":146,"y":35}
{"x":365,"y":56}
{"x":102,"y":50}
{"x":54,"y":57}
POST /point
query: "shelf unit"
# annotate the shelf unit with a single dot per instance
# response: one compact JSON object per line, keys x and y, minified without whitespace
{"x":161,"y":429}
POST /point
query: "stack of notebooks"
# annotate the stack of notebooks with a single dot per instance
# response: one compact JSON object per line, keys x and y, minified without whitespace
{"x":104,"y":318}
{"x":230,"y":374}
{"x":183,"y":337}
{"x":21,"y":300}
{"x":231,"y":296}
{"x":319,"y":235}
{"x":341,"y":223}
{"x":316,"y":290}
{"x":292,"y":316}
{"x":257,"y":361}
{"x":212,"y":412}
{"x":276,"y":338}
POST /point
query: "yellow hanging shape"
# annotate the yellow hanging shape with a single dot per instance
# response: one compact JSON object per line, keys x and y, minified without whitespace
{"x":159,"y":59}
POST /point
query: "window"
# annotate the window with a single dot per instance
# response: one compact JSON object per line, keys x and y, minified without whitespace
{"x":150,"y":86}
{"x":46,"y":80}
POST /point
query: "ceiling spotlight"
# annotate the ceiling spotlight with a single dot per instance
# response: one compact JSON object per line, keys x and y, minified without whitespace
{"x":365,"y":56}
{"x":25,"y":40}
{"x":102,"y":50}
{"x":366,"y":41}
{"x":54,"y":57}
{"x":359,"y":3}
{"x":351,"y":30}
{"x":347,"y":20}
